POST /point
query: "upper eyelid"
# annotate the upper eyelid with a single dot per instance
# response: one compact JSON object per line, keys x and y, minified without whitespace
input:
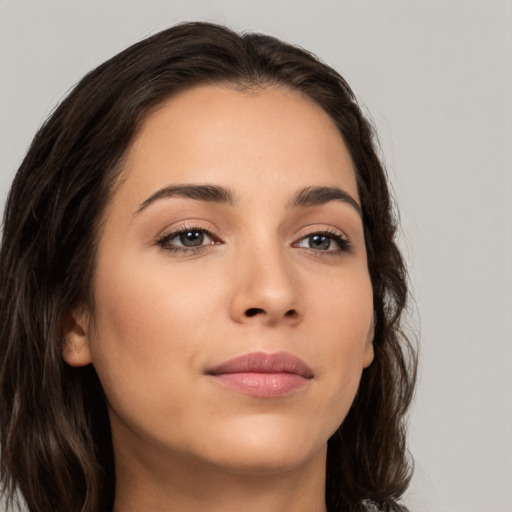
{"x":329,"y":230}
{"x":178,"y":228}
{"x":311,"y":231}
{"x":196,"y":225}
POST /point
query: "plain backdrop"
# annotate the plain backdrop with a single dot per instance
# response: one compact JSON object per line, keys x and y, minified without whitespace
{"x":436,"y":77}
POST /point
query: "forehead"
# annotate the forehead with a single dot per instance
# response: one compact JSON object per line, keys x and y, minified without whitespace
{"x":258,"y":139}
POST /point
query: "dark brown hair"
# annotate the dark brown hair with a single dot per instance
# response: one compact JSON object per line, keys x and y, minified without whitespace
{"x":55,"y":433}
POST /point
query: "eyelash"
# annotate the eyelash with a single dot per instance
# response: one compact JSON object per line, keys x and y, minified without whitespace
{"x":342,"y":242}
{"x":163,"y":242}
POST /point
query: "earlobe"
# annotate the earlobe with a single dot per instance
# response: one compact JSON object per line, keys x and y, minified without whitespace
{"x":76,"y":346}
{"x":368,"y":355}
{"x":369,"y":352}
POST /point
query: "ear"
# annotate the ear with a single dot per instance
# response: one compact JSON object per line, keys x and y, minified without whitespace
{"x":75,"y":328}
{"x":369,"y":352}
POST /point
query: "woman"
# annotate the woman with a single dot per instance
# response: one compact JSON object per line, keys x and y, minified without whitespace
{"x":201,"y":292}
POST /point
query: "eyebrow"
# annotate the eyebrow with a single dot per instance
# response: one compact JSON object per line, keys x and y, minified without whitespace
{"x":304,"y":198}
{"x":208,"y":193}
{"x":317,"y":196}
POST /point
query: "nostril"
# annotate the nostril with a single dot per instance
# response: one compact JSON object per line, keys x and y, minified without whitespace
{"x":254,"y":311}
{"x":249,"y":313}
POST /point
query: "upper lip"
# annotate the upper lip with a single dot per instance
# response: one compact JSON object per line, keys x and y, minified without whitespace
{"x":260,"y":362}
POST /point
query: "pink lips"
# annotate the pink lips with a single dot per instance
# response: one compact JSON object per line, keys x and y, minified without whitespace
{"x":263,"y":375}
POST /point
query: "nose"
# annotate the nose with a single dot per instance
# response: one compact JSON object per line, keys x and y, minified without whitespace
{"x":265,"y":289}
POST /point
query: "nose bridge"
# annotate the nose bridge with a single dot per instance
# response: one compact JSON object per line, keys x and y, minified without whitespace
{"x":265,"y":285}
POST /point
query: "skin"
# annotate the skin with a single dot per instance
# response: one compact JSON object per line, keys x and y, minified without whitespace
{"x":162,"y":317}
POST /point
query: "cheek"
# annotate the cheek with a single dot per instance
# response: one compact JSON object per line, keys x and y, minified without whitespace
{"x":147,"y":324}
{"x":144,"y":303}
{"x":342,"y":310}
{"x":342,"y":319}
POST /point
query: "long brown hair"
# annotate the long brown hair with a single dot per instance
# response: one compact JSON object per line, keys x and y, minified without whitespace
{"x":55,"y":433}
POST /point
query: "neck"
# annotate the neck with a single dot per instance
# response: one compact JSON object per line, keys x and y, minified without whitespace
{"x":169,"y":484}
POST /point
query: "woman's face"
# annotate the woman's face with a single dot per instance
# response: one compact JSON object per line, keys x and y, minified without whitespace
{"x":233,"y":305}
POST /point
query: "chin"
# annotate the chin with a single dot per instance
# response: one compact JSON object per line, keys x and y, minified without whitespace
{"x":266,"y":446}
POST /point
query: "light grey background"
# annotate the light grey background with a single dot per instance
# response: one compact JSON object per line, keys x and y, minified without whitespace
{"x":436,"y":77}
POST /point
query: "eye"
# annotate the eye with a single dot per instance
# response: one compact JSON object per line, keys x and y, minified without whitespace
{"x":324,"y":242}
{"x":186,"y":239}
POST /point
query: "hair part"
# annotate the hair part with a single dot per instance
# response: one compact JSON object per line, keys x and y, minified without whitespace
{"x":55,"y":433}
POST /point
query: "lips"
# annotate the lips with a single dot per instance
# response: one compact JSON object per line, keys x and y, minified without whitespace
{"x":263,"y":375}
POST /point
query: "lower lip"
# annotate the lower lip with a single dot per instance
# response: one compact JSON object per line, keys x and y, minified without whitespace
{"x":263,"y":385}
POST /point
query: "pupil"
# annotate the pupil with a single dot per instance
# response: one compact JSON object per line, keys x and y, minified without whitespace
{"x":319,"y":242}
{"x":192,"y":238}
